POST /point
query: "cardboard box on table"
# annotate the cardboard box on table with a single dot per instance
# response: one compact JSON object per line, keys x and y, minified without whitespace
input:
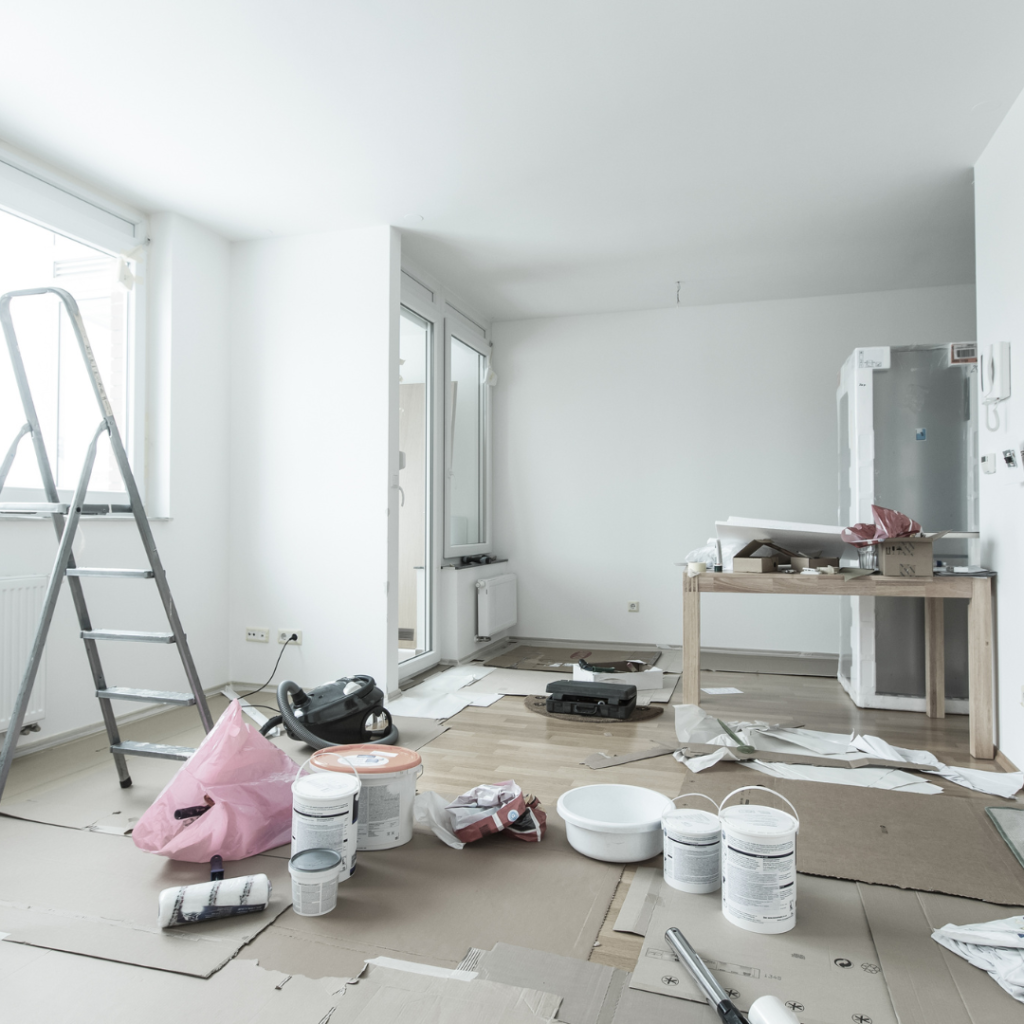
{"x":906,"y":556}
{"x":744,"y":560}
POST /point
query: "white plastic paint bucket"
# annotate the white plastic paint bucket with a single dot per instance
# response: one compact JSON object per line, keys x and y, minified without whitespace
{"x":692,"y":847}
{"x":315,"y":875}
{"x":324,"y":808}
{"x":759,"y":864}
{"x":388,"y":776}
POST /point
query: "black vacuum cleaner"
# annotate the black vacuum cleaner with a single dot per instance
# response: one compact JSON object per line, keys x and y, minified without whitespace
{"x":349,"y":710}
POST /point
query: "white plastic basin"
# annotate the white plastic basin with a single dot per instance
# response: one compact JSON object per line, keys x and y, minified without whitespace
{"x":621,"y":824}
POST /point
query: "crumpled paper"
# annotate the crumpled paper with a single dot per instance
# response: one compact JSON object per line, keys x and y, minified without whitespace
{"x":694,"y":725}
{"x":997,"y":947}
{"x":888,"y":525}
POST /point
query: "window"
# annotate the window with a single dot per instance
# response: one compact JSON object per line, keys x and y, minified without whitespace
{"x":32,"y":256}
{"x":467,"y":436}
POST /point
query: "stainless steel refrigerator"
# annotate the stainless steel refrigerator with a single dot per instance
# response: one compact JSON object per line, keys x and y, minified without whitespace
{"x":907,"y":440}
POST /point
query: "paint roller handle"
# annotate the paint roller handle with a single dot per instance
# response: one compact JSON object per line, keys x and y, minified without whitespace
{"x":715,"y":994}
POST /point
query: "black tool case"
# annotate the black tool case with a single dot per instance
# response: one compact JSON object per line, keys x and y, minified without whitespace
{"x":597,"y":700}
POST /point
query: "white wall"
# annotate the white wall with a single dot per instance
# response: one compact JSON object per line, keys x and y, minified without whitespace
{"x":314,"y":442}
{"x":620,"y":438}
{"x":999,"y":220}
{"x":187,"y":479}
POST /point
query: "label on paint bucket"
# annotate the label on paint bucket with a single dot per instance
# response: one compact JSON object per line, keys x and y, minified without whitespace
{"x":759,"y":868}
{"x":367,"y":760}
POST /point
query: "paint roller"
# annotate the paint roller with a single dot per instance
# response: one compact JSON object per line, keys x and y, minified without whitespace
{"x":763,"y":1010}
{"x":209,"y":901}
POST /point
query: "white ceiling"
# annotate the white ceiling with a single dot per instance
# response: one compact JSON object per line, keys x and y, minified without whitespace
{"x":565,"y":155}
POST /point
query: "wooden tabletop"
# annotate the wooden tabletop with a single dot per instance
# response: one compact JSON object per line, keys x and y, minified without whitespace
{"x":800,"y":583}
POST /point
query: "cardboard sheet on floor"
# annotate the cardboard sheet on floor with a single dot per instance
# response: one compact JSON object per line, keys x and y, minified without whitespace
{"x":95,"y":894}
{"x":827,"y":964}
{"x":944,"y":843}
{"x":426,"y":900}
{"x":390,"y":992}
{"x":93,"y":799}
{"x":854,"y":761}
{"x":41,"y":984}
{"x":562,"y":659}
{"x":929,"y":984}
{"x":519,"y":683}
{"x":583,"y":986}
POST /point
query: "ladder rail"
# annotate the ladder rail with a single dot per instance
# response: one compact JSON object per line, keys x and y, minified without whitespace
{"x":46,"y":615}
{"x":5,"y":466}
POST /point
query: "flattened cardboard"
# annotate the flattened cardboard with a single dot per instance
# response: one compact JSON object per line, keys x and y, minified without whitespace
{"x":43,"y":985}
{"x":635,"y":1007}
{"x":426,"y":900}
{"x":583,"y":986}
{"x":865,"y":761}
{"x":46,"y":900}
{"x":93,"y":799}
{"x":600,"y":760}
{"x":640,"y":902}
{"x":827,"y":964}
{"x":384,"y":995}
{"x":928,"y":983}
{"x":938,"y":843}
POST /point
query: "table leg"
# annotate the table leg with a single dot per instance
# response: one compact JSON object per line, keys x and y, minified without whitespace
{"x":934,"y":657}
{"x":691,"y":639}
{"x":979,"y":672}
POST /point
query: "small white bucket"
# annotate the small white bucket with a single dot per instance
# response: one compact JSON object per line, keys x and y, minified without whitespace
{"x":692,"y":847}
{"x":388,"y":776}
{"x":315,"y":875}
{"x":759,"y":864}
{"x":324,"y":808}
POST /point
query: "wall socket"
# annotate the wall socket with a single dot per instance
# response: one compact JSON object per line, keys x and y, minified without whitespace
{"x":284,"y":634}
{"x":633,"y":606}
{"x":257,"y":634}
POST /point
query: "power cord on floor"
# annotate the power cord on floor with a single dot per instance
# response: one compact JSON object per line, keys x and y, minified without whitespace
{"x":294,"y":636}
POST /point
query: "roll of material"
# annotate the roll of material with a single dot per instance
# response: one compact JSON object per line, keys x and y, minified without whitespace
{"x":770,"y":1010}
{"x":229,"y":897}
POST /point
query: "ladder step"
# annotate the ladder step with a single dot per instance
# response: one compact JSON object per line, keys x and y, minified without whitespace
{"x":150,"y":696}
{"x":34,"y":506}
{"x":137,"y":749}
{"x":138,"y":574}
{"x":127,"y":634}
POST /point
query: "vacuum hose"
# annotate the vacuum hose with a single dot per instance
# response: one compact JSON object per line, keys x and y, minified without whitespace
{"x":297,"y":729}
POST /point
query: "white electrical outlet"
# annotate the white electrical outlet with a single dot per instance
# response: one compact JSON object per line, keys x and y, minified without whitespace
{"x":284,"y":634}
{"x":257,"y":634}
{"x":633,"y":606}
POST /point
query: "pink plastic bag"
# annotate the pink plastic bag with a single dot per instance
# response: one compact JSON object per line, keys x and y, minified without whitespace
{"x":249,"y":782}
{"x":888,"y":524}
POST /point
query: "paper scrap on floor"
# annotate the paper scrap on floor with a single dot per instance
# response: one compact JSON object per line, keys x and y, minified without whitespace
{"x":693,"y":723}
{"x":997,"y":947}
{"x":443,"y":695}
{"x":714,"y":690}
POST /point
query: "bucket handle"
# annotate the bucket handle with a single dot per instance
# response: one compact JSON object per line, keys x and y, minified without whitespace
{"x":765,"y":789}
{"x":703,"y":796}
{"x":305,"y":765}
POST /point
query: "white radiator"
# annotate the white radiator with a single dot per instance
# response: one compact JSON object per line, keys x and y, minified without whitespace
{"x":21,"y":601}
{"x":495,"y":604}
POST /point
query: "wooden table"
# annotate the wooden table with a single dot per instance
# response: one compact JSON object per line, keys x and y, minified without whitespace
{"x":934,"y":589}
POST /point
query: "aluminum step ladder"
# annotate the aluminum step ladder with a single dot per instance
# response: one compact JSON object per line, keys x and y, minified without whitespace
{"x":66,"y":517}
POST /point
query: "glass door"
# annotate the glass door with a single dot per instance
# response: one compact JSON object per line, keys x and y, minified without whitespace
{"x":415,"y":571}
